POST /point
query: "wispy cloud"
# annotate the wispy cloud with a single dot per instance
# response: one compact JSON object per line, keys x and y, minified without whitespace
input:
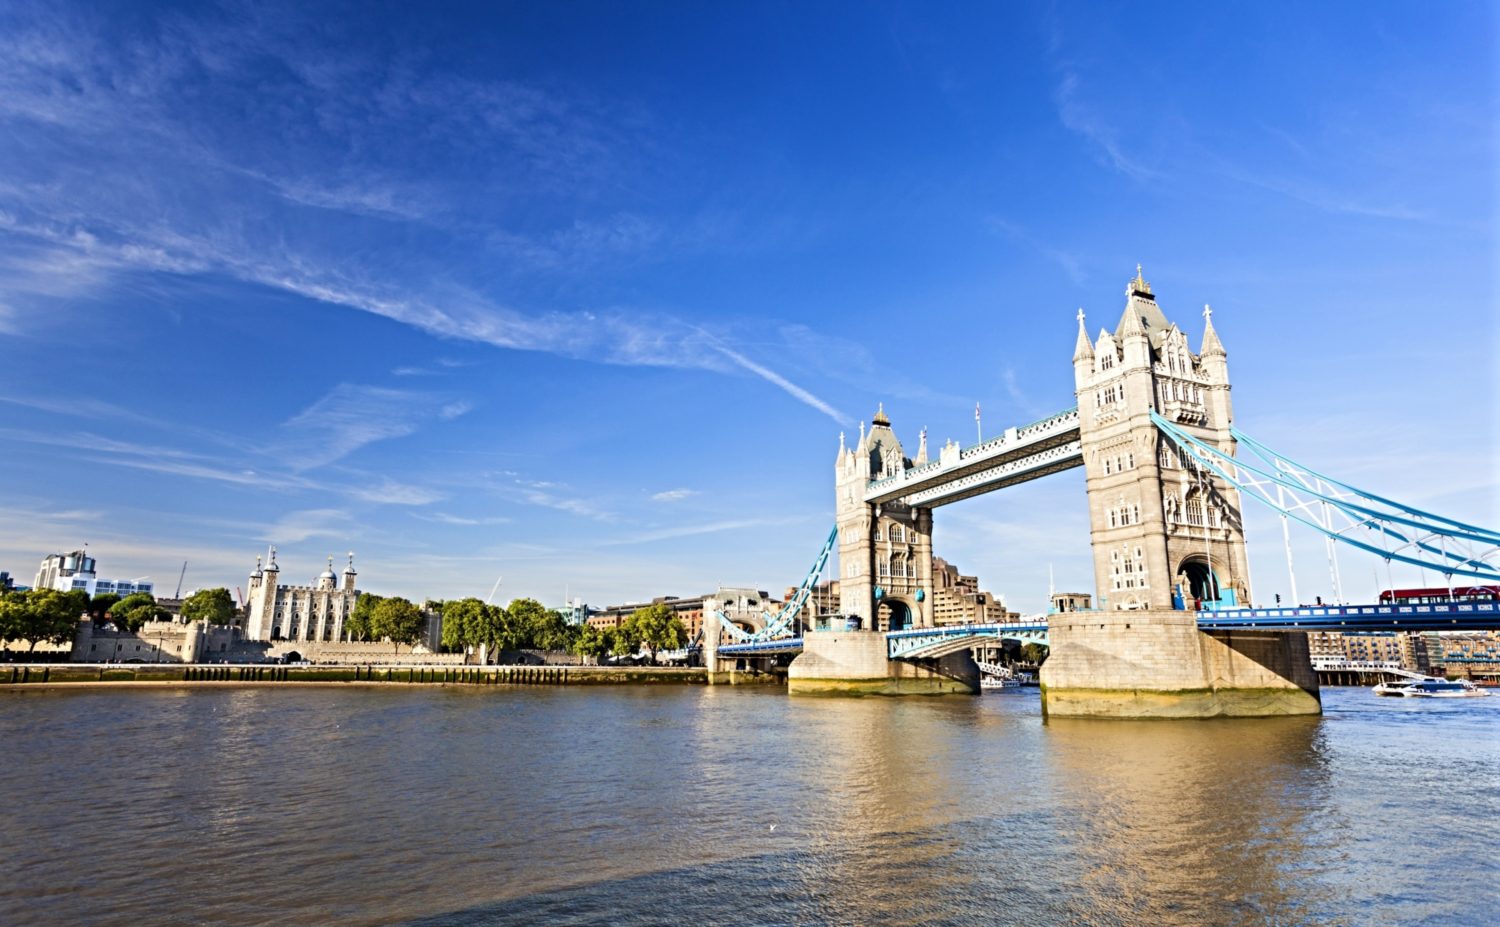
{"x":298,"y":526}
{"x":78,"y":222}
{"x":673,"y":495}
{"x":782,"y":383}
{"x":1071,"y":264}
{"x":351,"y":416}
{"x":686,"y":531}
{"x":1078,"y":116}
{"x":443,"y":518}
{"x":550,"y":495}
{"x":391,"y":492}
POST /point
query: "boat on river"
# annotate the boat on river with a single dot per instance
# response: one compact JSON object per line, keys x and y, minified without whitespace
{"x":1431,"y":687}
{"x":987,"y":681}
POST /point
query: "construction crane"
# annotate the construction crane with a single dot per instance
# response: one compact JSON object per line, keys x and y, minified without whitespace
{"x":178,"y":593}
{"x":239,"y":596}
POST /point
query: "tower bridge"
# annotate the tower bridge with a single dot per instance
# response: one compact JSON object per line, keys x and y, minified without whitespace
{"x":1176,"y":633}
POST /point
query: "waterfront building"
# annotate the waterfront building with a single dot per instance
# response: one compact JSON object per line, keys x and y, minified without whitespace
{"x":1467,"y":653}
{"x":690,"y":610}
{"x":75,"y":570}
{"x":957,"y":599}
{"x":1408,"y":651}
{"x":314,"y":612}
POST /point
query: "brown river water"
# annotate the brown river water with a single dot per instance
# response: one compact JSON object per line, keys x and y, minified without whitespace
{"x":687,"y":805}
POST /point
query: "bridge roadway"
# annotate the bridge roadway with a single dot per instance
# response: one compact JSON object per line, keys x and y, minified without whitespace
{"x":1020,"y":454}
{"x":916,"y":643}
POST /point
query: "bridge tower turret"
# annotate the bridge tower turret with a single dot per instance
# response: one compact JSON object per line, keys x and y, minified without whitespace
{"x":1164,"y":533}
{"x":885,"y":552}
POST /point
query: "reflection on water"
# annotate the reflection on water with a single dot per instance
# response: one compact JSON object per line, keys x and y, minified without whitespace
{"x":725,"y":806}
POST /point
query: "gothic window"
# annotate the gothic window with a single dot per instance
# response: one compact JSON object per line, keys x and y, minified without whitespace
{"x":1195,"y":509}
{"x":885,"y":567}
{"x":1135,"y":514}
{"x":1112,"y":518}
{"x":877,"y":532}
{"x":1107,"y":462}
{"x":1130,"y":461}
{"x":898,"y":533}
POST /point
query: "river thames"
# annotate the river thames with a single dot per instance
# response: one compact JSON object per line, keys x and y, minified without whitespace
{"x":456,"y":806}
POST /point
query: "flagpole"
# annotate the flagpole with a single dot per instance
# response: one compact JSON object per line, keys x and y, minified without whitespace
{"x":978,"y":428}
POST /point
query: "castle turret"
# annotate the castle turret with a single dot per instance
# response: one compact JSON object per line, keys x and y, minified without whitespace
{"x":349,"y":574}
{"x":1083,"y":353}
{"x":260,"y":624}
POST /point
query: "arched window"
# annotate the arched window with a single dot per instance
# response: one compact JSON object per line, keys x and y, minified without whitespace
{"x":1107,"y":462}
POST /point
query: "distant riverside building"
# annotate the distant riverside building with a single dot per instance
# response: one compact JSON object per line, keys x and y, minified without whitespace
{"x":1407,"y":650}
{"x":957,"y":599}
{"x":690,"y":610}
{"x":314,"y":612}
{"x":76,"y":571}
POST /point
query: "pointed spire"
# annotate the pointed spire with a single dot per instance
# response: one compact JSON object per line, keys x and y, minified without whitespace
{"x":1131,"y":323}
{"x":922,"y":448}
{"x":1084,"y":350}
{"x":861,"y":445}
{"x":842,"y":448}
{"x":880,"y":417}
{"x":1211,"y":343}
{"x":271,"y":559}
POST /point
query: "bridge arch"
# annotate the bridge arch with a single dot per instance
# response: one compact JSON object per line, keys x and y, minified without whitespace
{"x":1198,"y":580}
{"x":894,"y":615}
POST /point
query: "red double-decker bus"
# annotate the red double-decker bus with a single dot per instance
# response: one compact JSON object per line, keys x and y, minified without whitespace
{"x":1441,"y":594}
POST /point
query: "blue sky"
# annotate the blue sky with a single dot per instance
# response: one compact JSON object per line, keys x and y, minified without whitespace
{"x":581,"y":295}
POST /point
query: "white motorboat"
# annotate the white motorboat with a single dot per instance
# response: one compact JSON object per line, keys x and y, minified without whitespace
{"x":999,"y":682}
{"x":1431,"y":687}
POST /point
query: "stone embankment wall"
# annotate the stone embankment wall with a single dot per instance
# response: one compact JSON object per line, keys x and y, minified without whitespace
{"x":60,"y":675}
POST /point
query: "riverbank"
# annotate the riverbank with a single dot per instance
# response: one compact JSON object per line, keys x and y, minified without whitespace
{"x":74,"y":675}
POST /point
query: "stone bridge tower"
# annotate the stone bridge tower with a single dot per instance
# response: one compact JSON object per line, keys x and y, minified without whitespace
{"x":1165,"y":533}
{"x":885,"y":551}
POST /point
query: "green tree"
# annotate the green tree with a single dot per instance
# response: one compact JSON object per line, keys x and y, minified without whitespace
{"x":102,"y":603}
{"x":13,"y":618}
{"x":41,"y":615}
{"x":626,"y":639}
{"x":397,"y":620}
{"x":593,"y":642}
{"x":135,"y":610}
{"x":657,"y":627}
{"x":1034,"y":653}
{"x":463,"y":624}
{"x":211,"y":605}
{"x":534,"y":625}
{"x":357,"y":624}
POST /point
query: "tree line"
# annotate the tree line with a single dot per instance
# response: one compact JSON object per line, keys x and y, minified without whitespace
{"x":37,"y":615}
{"x":526,"y":624}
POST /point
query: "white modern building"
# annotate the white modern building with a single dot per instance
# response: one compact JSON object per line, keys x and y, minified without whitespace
{"x":76,"y":570}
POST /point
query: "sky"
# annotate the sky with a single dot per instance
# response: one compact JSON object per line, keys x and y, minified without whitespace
{"x":578,"y":297}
